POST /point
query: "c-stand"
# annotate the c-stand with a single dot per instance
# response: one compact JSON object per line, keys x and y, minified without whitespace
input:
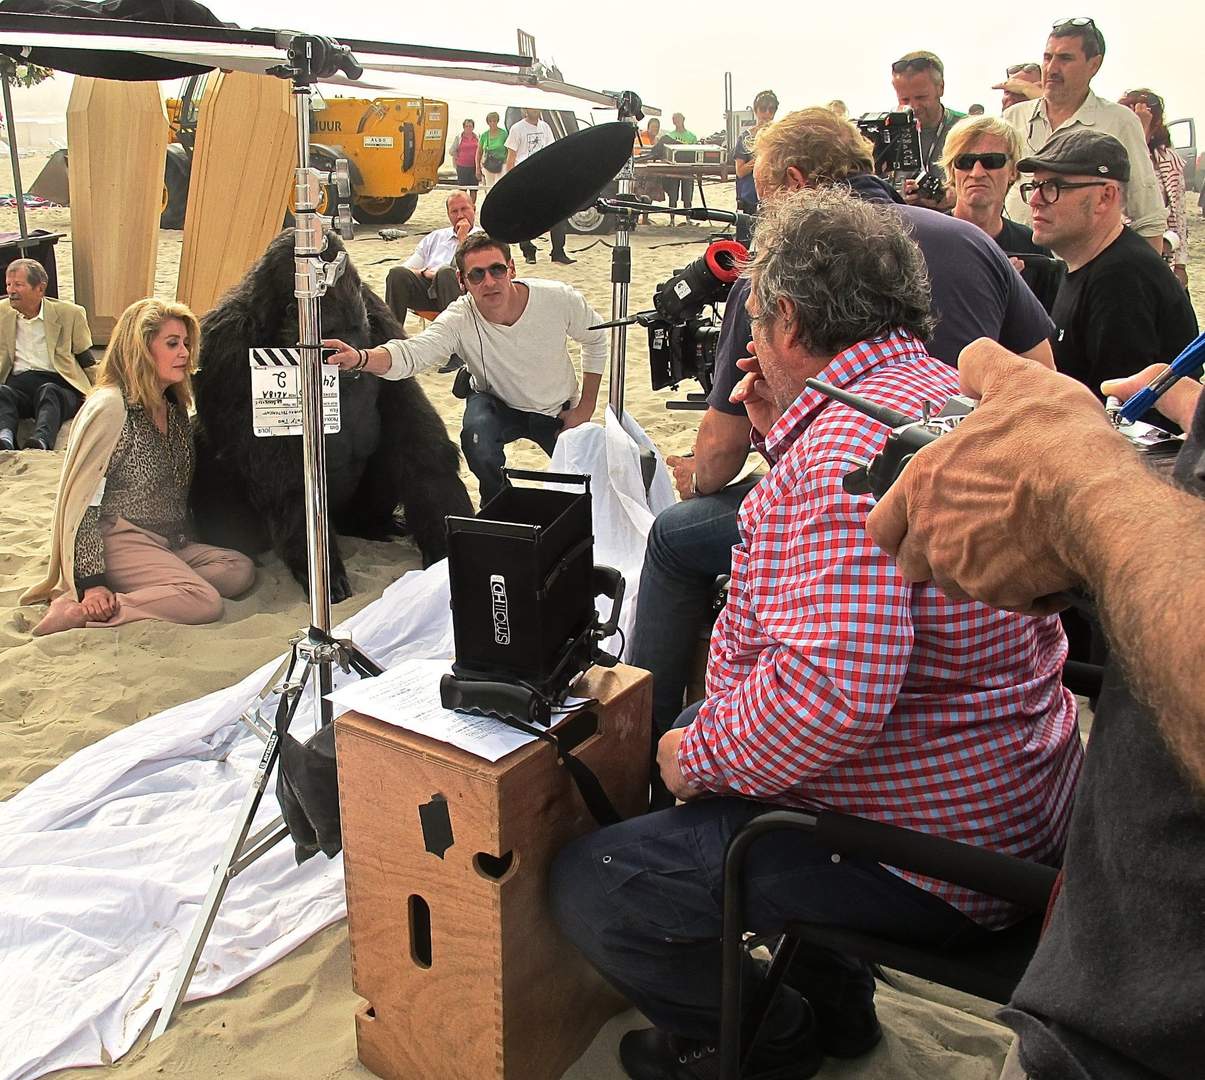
{"x":310,"y":59}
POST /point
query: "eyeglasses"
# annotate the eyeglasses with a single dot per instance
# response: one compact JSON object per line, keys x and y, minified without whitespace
{"x":919,"y":63}
{"x":1060,"y":28}
{"x":477,"y":275}
{"x":1016,"y":69}
{"x":1051,"y":189}
{"x":966,"y":162}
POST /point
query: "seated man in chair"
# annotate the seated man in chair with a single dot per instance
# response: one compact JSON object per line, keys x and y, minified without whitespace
{"x":44,"y":349}
{"x":831,"y":683}
{"x":427,"y":280}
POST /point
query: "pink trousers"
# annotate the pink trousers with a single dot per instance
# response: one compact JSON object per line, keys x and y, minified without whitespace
{"x":151,"y":581}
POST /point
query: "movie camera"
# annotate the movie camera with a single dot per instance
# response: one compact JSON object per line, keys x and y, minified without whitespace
{"x":909,"y":435}
{"x":897,"y":154}
{"x":683,"y":333}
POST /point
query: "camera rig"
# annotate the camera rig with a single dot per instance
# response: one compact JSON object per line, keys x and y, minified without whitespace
{"x":897,"y":151}
{"x":909,"y":435}
{"x":683,"y":334}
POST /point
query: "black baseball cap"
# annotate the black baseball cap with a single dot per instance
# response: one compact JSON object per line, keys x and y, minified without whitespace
{"x":1080,"y":151}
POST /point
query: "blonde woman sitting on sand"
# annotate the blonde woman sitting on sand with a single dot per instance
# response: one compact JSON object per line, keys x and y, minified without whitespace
{"x":119,"y":549}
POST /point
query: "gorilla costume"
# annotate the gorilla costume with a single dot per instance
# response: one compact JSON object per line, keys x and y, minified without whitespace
{"x":248,"y":493}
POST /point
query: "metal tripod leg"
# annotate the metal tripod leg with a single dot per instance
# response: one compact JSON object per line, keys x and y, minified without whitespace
{"x":238,"y":853}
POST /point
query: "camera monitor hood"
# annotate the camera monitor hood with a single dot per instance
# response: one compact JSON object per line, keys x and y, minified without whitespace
{"x":556,"y":182}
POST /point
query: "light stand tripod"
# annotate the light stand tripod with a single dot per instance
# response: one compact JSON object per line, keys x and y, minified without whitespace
{"x":310,"y":59}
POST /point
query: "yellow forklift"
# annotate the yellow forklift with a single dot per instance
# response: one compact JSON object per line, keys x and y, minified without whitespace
{"x":394,"y":148}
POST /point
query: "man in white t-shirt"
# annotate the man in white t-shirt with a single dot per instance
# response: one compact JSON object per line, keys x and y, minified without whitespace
{"x":427,"y":280}
{"x":512,"y":335}
{"x":529,"y":135}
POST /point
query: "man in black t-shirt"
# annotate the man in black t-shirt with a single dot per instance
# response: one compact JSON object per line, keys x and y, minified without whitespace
{"x":1119,"y":308}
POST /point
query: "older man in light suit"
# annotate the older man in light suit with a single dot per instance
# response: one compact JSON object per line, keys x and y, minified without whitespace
{"x":44,"y":347}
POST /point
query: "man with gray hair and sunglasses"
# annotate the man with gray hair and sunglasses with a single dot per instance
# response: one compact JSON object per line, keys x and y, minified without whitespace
{"x":919,"y":81}
{"x":1073,"y":55}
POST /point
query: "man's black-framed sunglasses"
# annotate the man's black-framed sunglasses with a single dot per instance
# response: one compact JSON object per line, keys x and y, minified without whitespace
{"x":477,"y":275}
{"x":919,"y":63}
{"x":1016,"y":69}
{"x":1050,"y":190}
{"x":966,"y":162}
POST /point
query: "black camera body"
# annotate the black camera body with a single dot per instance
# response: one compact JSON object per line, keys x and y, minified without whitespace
{"x":896,"y":140}
{"x":682,"y":336}
{"x":931,"y":186}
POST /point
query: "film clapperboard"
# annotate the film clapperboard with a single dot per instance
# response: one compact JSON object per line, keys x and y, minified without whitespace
{"x":276,"y":393}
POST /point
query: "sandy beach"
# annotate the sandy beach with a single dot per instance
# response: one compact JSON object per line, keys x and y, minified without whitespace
{"x":61,"y":693}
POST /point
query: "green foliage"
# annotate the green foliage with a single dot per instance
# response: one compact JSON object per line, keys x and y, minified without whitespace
{"x":20,"y":73}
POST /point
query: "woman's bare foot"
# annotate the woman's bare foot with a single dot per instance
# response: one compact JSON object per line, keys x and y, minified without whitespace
{"x":64,"y":614}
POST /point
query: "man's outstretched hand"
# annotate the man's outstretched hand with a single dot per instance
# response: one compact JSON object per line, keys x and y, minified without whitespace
{"x":982,"y":512}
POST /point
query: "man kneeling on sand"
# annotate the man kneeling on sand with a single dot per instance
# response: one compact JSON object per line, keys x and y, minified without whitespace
{"x":832,"y":682}
{"x":512,"y":336}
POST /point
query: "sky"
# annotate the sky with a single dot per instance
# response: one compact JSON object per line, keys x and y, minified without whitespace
{"x":675,"y":55}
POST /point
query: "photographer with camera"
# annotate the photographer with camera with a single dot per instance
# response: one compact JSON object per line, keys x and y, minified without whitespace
{"x":824,"y":665}
{"x":518,"y":379}
{"x":976,"y":293}
{"x":1032,"y":494}
{"x":919,"y":80}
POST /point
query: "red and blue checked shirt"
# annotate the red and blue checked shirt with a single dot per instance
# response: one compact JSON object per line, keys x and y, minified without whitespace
{"x":834,"y":683}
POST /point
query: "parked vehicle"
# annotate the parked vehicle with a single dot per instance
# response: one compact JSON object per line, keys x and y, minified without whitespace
{"x":1184,"y":142}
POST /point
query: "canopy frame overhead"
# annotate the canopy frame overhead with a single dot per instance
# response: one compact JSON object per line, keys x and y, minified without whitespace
{"x":259,"y":51}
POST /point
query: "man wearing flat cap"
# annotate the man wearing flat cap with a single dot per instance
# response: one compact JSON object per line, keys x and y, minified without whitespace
{"x":1120,"y":308}
{"x":1073,"y":55}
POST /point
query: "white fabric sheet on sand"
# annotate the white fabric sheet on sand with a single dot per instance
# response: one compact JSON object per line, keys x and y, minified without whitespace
{"x":104,"y":860}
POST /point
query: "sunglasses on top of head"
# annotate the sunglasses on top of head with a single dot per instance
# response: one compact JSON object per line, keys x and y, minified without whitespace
{"x":1061,"y":26}
{"x":1016,"y":69}
{"x":966,"y":162}
{"x":477,"y":275}
{"x":920,"y":63}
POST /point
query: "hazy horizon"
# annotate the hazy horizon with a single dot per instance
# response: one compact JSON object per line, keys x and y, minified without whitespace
{"x":678,"y":62}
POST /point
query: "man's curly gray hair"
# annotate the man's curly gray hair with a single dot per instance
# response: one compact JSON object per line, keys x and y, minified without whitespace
{"x":848,"y":267}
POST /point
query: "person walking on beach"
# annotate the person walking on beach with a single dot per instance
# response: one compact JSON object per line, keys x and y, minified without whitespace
{"x":529,"y":136}
{"x":491,"y":154}
{"x":466,"y":149}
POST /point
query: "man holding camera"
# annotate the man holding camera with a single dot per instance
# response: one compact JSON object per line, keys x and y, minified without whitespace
{"x":1033,"y":494}
{"x":976,"y":293}
{"x":427,"y":280}
{"x":824,"y":668}
{"x":519,"y":381}
{"x":1118,"y":308}
{"x":1074,"y":53}
{"x":919,"y":80}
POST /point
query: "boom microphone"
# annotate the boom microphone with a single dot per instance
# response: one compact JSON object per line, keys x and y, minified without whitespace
{"x":556,"y":182}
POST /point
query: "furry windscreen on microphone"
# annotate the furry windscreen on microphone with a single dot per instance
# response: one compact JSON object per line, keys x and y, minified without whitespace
{"x":556,"y":182}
